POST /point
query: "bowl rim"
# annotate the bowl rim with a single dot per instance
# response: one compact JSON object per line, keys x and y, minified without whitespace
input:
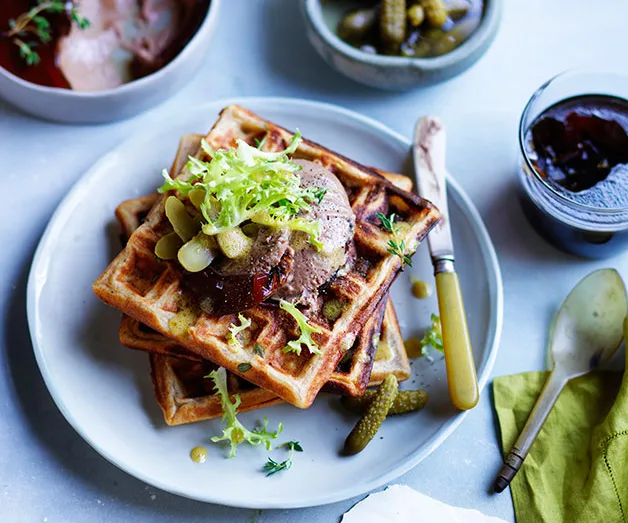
{"x":189,"y":48}
{"x":480,"y":37}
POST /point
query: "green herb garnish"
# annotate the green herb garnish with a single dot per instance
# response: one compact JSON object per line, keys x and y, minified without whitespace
{"x":34,"y":23}
{"x":243,"y":367}
{"x":306,"y":330}
{"x":272,"y":467}
{"x":246,"y":183}
{"x":396,"y":246}
{"x":236,"y":433}
{"x":319,"y":193}
{"x":433,"y":337}
{"x":234,"y":330}
{"x":259,"y":350}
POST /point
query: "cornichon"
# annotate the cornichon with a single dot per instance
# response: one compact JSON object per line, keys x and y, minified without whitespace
{"x":392,"y":24}
{"x":374,"y":416}
{"x":355,"y":26}
{"x":451,"y":39}
{"x":405,"y":401}
{"x":435,"y":12}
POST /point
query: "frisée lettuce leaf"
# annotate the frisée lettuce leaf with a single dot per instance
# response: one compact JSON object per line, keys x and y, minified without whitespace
{"x":236,"y":433}
{"x":433,"y":337}
{"x":306,"y":330}
{"x":246,"y":183}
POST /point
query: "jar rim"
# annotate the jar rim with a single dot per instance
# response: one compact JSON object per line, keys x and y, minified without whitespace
{"x":522,"y":132}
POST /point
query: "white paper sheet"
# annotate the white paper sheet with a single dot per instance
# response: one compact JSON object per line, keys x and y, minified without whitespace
{"x":401,"y":504}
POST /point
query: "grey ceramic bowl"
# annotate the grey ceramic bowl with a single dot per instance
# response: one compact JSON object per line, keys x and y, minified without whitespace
{"x":395,"y":73}
{"x":67,"y":106}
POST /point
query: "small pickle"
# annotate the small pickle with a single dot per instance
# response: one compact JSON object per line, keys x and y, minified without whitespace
{"x":416,"y":15}
{"x":405,"y":401}
{"x":168,"y":246}
{"x":453,"y":38}
{"x":457,"y":9}
{"x":392,"y":24}
{"x":435,"y":12}
{"x":182,"y":223}
{"x":198,"y":253}
{"x":353,"y":28}
{"x":374,"y":416}
{"x":197,"y":196}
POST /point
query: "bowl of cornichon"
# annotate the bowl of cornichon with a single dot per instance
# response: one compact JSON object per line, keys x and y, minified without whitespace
{"x":401,"y":44}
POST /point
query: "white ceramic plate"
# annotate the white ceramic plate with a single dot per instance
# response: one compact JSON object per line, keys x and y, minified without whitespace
{"x":105,"y":392}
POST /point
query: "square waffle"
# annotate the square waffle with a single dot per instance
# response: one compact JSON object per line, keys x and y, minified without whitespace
{"x":151,"y":291}
{"x":185,"y":396}
{"x":352,"y":373}
{"x":182,"y":391}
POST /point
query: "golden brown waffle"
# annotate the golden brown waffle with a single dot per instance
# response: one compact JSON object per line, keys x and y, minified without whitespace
{"x":352,"y":373}
{"x":151,"y":291}
{"x":186,"y":396}
{"x":390,"y":355}
{"x":181,"y":390}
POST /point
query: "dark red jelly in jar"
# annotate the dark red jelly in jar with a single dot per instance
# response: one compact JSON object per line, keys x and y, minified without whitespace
{"x":574,"y":181}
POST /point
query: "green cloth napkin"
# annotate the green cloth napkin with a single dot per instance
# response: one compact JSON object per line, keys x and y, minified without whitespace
{"x":577,"y":469}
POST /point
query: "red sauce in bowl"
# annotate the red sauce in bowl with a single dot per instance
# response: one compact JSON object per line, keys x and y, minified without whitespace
{"x":46,"y":71}
{"x":187,"y":18}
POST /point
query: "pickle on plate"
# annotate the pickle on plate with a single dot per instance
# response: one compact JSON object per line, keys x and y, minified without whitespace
{"x":405,"y":401}
{"x":374,"y":416}
{"x":392,"y":24}
{"x":435,"y":12}
{"x":354,"y":27}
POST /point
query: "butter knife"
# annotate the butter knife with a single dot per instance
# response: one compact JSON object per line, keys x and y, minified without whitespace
{"x":430,"y":175}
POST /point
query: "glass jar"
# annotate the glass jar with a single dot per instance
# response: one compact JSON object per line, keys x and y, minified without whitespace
{"x":584,"y":230}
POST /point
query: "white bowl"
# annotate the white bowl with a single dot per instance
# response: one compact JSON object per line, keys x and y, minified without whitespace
{"x":67,"y":106}
{"x":394,"y":73}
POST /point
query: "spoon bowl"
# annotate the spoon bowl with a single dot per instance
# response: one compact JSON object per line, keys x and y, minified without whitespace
{"x":588,"y":327}
{"x":588,"y":330}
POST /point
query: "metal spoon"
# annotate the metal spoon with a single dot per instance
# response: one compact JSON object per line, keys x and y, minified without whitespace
{"x":587,"y":331}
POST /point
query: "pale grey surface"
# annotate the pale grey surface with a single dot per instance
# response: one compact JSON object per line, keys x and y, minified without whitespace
{"x":47,"y":472}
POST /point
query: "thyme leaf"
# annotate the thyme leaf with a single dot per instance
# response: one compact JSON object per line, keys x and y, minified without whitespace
{"x":34,"y":24}
{"x":396,"y":245}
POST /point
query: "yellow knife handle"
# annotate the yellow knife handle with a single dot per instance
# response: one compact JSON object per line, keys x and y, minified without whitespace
{"x":461,"y":377}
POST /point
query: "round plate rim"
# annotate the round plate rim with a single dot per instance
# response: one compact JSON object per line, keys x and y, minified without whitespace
{"x":37,"y":277}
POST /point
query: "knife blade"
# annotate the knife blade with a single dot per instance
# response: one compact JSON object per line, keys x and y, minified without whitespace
{"x":430,"y":177}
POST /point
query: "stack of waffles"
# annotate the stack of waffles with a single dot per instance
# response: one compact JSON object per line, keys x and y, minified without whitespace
{"x":359,"y":348}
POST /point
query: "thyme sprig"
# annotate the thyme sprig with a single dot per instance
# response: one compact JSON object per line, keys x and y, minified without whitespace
{"x":272,"y":467}
{"x":34,"y":23}
{"x":396,"y":245}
